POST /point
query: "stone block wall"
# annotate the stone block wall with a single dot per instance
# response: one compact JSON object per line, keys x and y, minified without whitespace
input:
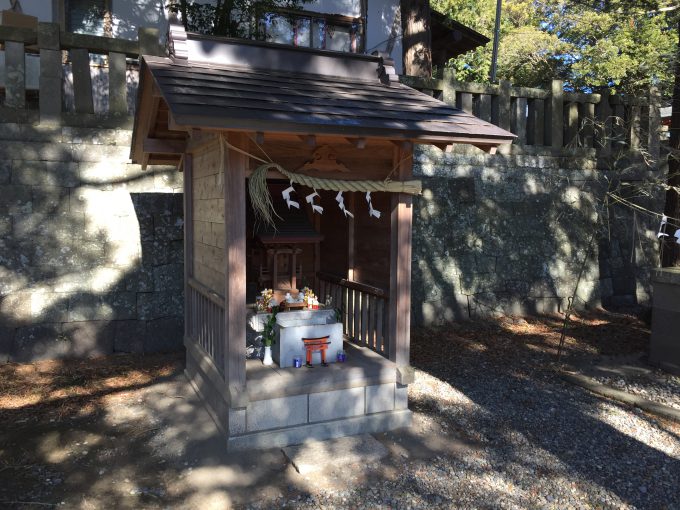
{"x":91,"y":258}
{"x":509,"y":234}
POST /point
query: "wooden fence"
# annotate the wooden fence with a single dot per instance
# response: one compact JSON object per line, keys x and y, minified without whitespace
{"x":205,"y":321}
{"x":55,"y":50}
{"x":363,"y":309}
{"x":553,"y":118}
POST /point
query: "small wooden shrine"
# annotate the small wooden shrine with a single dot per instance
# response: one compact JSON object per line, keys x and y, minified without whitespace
{"x":322,"y":142}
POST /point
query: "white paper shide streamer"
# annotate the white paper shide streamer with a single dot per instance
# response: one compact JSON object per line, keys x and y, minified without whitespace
{"x":371,"y":211}
{"x":310,"y":200}
{"x":662,"y":233}
{"x":341,"y":203}
{"x":286,"y":195}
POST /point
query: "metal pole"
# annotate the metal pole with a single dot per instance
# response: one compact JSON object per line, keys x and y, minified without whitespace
{"x":496,"y":35}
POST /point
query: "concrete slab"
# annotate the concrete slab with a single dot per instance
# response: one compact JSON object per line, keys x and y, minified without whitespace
{"x":317,"y":455}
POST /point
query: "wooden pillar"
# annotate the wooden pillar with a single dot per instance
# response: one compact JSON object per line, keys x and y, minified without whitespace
{"x":400,"y":269}
{"x":293,"y":278}
{"x":188,"y":168}
{"x":351,"y":203}
{"x":235,"y":270}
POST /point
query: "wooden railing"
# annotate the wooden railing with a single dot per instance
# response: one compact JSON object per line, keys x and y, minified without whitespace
{"x":363,"y":309}
{"x":205,"y":321}
{"x":43,"y":59}
{"x":553,"y":118}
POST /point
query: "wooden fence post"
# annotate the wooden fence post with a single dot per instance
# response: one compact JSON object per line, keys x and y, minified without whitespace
{"x":555,"y":126}
{"x":51,"y":73}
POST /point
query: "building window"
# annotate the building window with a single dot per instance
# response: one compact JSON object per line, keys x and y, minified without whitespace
{"x":91,"y":17}
{"x":313,"y":30}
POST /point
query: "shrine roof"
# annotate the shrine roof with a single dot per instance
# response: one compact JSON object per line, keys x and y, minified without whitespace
{"x":246,"y":86}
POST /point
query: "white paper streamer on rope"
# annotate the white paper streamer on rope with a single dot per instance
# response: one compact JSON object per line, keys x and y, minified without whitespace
{"x":310,"y":201}
{"x":341,"y":203}
{"x":371,"y":211}
{"x":664,"y":221}
{"x":286,"y":195}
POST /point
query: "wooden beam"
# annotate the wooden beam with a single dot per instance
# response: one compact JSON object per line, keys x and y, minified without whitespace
{"x":235,"y":269}
{"x":164,"y":146}
{"x":489,"y":149}
{"x":359,"y":143}
{"x":401,"y":217}
{"x":445,"y":147}
{"x":310,"y":140}
{"x":200,"y":140}
{"x":405,"y":145}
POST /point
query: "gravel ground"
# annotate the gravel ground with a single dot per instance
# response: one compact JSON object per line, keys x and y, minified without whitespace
{"x":535,"y":440}
{"x":656,"y":386}
{"x":495,"y":426}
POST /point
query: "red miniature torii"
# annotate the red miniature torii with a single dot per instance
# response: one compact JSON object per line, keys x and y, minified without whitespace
{"x":313,"y":345}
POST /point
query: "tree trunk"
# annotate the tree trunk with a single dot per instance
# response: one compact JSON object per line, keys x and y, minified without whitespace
{"x":417,"y":40}
{"x":670,"y":255}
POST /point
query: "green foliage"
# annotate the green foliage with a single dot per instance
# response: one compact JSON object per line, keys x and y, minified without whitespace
{"x":626,"y":45}
{"x":268,"y":333}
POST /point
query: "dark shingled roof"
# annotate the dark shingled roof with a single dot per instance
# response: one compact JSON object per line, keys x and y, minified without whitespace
{"x":246,"y":98}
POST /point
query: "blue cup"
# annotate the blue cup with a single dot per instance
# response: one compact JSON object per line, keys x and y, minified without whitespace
{"x":297,"y":361}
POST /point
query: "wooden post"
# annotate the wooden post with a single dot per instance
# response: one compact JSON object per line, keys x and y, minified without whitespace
{"x":400,"y":265}
{"x":235,"y":270}
{"x":555,"y":125}
{"x":188,"y":167}
{"x":82,"y":80}
{"x":117,"y":84}
{"x":15,"y":74}
{"x":350,"y":238}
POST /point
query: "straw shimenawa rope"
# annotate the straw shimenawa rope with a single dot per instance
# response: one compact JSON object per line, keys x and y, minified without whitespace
{"x":261,"y":199}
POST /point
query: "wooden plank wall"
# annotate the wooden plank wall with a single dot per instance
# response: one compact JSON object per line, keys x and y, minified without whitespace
{"x":208,"y":213}
{"x":372,"y":240}
{"x":372,"y":237}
